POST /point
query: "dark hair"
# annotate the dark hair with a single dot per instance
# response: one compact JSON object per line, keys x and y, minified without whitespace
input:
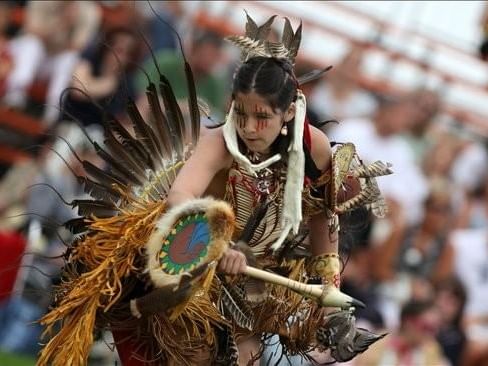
{"x":269,"y":77}
{"x":457,"y":289}
{"x":483,"y":49}
{"x":108,"y":41}
{"x":414,"y":308}
{"x":274,"y":80}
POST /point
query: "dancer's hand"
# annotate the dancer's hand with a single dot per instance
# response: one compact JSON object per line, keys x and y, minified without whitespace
{"x":232,"y":262}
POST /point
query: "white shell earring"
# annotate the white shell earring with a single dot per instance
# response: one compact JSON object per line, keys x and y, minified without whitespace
{"x":284,"y":130}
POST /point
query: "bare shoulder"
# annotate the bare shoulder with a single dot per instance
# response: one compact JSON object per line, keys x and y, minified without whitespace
{"x":207,"y":160}
{"x":321,"y":151}
{"x":211,"y":146}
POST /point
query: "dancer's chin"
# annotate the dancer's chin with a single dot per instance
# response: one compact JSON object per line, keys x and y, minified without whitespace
{"x":257,"y":146}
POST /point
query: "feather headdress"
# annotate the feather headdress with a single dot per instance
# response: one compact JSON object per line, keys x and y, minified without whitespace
{"x":254,"y":42}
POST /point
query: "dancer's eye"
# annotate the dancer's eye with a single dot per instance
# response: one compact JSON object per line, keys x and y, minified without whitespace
{"x":263,"y":116}
{"x":239,"y":112}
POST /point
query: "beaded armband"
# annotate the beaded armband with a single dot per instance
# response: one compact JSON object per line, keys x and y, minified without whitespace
{"x":326,"y":266}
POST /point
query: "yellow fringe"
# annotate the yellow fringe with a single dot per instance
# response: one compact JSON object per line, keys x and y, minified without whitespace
{"x":108,"y":255}
{"x":202,"y":289}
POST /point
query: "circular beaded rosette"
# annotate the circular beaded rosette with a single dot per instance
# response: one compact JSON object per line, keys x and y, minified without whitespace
{"x":192,"y":234}
{"x":186,"y":245}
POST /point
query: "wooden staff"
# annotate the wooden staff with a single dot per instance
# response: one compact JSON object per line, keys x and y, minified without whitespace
{"x":327,"y":296}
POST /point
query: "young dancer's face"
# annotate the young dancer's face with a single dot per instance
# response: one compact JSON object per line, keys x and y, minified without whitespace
{"x":257,"y":124}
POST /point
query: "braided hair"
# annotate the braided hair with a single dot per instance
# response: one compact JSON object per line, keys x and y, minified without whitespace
{"x":274,"y":80}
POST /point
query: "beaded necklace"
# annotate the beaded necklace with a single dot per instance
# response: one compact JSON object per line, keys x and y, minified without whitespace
{"x":266,"y":183}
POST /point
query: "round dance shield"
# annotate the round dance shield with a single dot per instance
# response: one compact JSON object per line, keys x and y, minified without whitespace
{"x":195,"y":233}
{"x":186,"y":245}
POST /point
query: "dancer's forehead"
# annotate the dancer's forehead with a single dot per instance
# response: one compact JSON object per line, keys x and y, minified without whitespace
{"x":253,"y":102}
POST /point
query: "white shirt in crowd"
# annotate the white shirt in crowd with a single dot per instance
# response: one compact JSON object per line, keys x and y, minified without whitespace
{"x":358,"y":104}
{"x":471,"y":267}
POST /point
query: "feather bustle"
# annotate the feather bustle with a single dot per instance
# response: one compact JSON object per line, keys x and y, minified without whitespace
{"x":192,"y":104}
{"x":103,"y":177}
{"x":119,"y":168}
{"x":134,"y":146}
{"x":145,"y":134}
{"x":162,"y":127}
{"x":174,"y":116}
{"x":117,"y":149}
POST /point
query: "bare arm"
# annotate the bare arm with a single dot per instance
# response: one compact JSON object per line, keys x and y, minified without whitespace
{"x":444,"y":266}
{"x":320,"y":240}
{"x":386,"y":252}
{"x":94,"y":86}
{"x":462,"y":219}
{"x":210,"y":156}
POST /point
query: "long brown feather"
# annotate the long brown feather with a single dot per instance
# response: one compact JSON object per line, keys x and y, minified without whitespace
{"x":175,"y":117}
{"x":192,"y":100}
{"x":253,"y":222}
{"x":145,"y":134}
{"x":102,"y":176}
{"x":119,"y":150}
{"x":96,"y":208}
{"x":117,"y":166}
{"x":76,"y":225}
{"x":136,"y":148}
{"x":98,"y":190}
{"x":162,"y":127}
{"x":192,"y":104}
{"x":312,"y":75}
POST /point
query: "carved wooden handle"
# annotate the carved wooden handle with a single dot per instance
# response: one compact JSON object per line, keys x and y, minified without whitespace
{"x":327,"y":296}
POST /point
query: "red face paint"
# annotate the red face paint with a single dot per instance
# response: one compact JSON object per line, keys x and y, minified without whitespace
{"x":240,"y":116}
{"x":261,"y":117}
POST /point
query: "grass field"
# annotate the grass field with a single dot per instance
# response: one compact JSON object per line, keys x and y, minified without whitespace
{"x":9,"y":359}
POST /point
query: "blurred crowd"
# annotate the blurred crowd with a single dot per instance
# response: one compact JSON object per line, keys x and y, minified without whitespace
{"x":422,"y":271}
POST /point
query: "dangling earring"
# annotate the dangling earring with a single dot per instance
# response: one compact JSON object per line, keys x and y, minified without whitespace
{"x":284,"y":130}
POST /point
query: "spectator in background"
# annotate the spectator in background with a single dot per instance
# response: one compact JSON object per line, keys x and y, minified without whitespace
{"x":161,"y":36}
{"x":121,"y":13}
{"x":474,"y":211}
{"x":422,"y":251}
{"x":413,"y":344}
{"x":308,"y":89}
{"x":379,"y":138}
{"x":204,"y":55}
{"x":470,"y":264}
{"x":469,"y":166}
{"x":6,"y":62}
{"x":19,"y":331}
{"x":441,"y":156}
{"x":53,"y":34}
{"x":483,"y":48}
{"x":105,"y":76}
{"x":409,"y":260}
{"x":427,"y":104}
{"x":339,"y":96}
{"x":450,"y":301}
{"x":358,"y":281}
